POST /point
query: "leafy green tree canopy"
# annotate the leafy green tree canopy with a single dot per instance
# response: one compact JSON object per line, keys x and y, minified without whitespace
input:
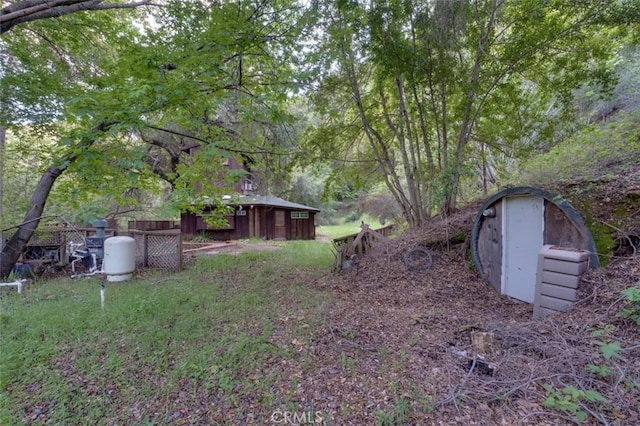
{"x":128,"y":95}
{"x":435,"y":90}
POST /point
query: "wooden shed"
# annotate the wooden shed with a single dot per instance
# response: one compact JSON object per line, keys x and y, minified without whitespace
{"x":511,"y":228}
{"x":257,"y":216}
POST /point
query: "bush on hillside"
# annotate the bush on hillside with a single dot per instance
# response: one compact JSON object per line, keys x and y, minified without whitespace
{"x":596,"y":153}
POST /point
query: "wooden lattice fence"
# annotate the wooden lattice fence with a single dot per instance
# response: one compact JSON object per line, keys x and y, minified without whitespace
{"x":158,"y":249}
{"x":61,"y":236}
{"x":154,"y":249}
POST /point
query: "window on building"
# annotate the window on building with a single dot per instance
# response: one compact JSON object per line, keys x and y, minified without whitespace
{"x":299,"y":215}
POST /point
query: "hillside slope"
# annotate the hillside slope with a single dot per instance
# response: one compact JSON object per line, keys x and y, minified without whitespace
{"x":583,"y":363}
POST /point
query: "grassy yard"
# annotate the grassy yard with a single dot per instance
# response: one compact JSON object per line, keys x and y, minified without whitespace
{"x":345,"y":227}
{"x":251,"y":338}
{"x":184,"y":348}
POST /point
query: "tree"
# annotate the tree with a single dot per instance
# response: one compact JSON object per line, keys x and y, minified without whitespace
{"x":20,"y":12}
{"x":199,"y":72}
{"x":423,"y":88}
{"x":3,"y":145}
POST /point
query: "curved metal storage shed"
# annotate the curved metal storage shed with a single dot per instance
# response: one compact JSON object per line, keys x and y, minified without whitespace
{"x":512,"y":227}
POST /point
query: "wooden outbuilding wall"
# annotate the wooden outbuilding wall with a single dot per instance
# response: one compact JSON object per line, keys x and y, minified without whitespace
{"x":266,"y":222}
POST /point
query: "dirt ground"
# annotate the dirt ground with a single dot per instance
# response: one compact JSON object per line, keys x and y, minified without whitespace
{"x":191,"y":250}
{"x":394,"y":345}
{"x":398,"y":341}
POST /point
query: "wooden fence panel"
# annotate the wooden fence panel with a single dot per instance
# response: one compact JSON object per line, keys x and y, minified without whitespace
{"x":154,"y":249}
{"x":357,"y":244}
{"x":151,"y":225}
{"x":158,"y":249}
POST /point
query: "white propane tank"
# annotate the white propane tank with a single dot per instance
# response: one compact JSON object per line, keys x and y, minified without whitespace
{"x":119,"y":258}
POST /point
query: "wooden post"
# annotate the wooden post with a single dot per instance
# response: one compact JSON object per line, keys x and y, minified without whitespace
{"x":145,"y":250}
{"x":179,"y":254}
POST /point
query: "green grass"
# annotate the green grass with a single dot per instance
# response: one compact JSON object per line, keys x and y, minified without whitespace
{"x":164,"y":342}
{"x":345,"y":227}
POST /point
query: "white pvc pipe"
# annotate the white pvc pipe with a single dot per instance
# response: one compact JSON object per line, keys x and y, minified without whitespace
{"x":17,"y":284}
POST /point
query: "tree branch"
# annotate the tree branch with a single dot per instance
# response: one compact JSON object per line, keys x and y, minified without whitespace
{"x":222,"y":148}
{"x":14,"y":246}
{"x":33,"y":10}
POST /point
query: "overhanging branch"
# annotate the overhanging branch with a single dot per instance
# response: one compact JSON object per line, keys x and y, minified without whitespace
{"x":222,"y":148}
{"x":32,"y":10}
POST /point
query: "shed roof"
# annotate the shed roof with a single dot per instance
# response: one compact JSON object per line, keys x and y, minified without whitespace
{"x":267,"y":200}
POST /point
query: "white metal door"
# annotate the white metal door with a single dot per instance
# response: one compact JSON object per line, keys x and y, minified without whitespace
{"x":522,"y":229}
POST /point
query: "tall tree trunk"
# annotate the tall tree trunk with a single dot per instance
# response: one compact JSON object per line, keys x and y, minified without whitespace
{"x":13,"y":248}
{"x":424,"y":134}
{"x":453,"y":185}
{"x":412,"y":208}
{"x":415,"y":173}
{"x":3,"y":146}
{"x":376,"y":140}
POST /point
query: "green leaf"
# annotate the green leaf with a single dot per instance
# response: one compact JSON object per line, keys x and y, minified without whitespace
{"x":550,"y":389}
{"x":631,"y":294}
{"x":595,"y":396}
{"x":572,"y":391}
{"x":581,"y":416}
{"x":550,"y":402}
{"x":609,"y":350}
{"x":600,"y":370}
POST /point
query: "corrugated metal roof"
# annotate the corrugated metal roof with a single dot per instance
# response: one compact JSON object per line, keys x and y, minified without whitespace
{"x":267,"y":200}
